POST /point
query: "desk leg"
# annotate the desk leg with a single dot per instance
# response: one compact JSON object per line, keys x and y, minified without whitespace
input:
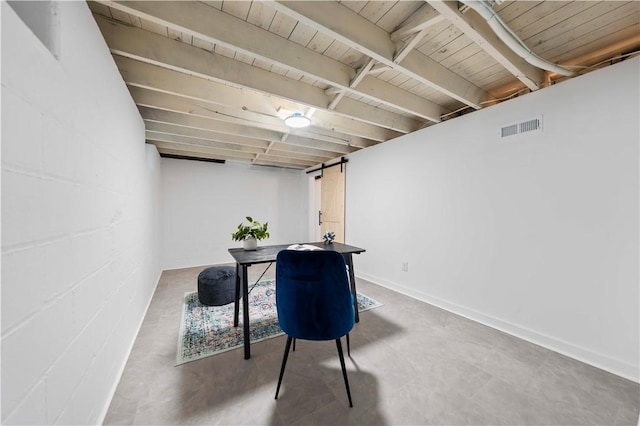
{"x":236,"y":306}
{"x":245,"y":312}
{"x":352,"y":278}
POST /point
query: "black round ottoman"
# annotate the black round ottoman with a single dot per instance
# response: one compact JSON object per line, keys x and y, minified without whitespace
{"x":217,"y":285}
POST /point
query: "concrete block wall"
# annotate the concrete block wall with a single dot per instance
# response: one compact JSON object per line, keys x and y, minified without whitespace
{"x":80,"y":247}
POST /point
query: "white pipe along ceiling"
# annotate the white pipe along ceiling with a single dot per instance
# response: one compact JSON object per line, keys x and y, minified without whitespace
{"x":511,"y":40}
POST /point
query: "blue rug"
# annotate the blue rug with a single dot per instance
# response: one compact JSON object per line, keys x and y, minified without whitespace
{"x":209,"y":330}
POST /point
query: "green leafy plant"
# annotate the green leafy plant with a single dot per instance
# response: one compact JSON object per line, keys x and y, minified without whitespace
{"x":254,"y":229}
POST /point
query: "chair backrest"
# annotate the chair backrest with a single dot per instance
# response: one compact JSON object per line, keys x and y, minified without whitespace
{"x":313,"y":297}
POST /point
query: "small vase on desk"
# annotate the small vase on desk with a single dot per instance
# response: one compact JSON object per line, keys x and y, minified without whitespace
{"x":328,"y":237}
{"x":250,"y":243}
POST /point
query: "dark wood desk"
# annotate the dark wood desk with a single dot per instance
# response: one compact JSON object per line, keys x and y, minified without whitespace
{"x":268,"y":254}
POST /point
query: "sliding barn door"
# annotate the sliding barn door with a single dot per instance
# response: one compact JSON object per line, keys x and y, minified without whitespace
{"x":332,"y":201}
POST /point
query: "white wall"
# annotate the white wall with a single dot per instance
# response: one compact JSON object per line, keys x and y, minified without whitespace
{"x":203,"y":203}
{"x":80,"y":195}
{"x":536,"y":235}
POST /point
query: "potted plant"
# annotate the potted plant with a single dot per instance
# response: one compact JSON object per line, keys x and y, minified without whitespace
{"x":250,"y":234}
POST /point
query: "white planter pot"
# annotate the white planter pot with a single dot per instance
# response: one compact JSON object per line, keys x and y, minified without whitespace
{"x":250,"y":244}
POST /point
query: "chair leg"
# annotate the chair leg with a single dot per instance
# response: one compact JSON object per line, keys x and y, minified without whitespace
{"x":294,"y":344}
{"x":344,"y":370}
{"x":348,"y":346}
{"x":284,"y":363}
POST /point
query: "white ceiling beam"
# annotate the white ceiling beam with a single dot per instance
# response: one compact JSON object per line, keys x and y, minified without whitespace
{"x":180,"y":150}
{"x":289,"y":160}
{"x":227,"y":128}
{"x":420,"y":20}
{"x":172,"y":129}
{"x":141,"y":74}
{"x":191,"y":132}
{"x":476,"y":28}
{"x":169,"y":102}
{"x":405,"y":49}
{"x":187,"y":120}
{"x":349,"y":107}
{"x":154,"y":49}
{"x":187,"y":140}
{"x":371,"y":85}
{"x":309,"y":143}
{"x":188,"y":147}
{"x":304,"y":150}
{"x":364,"y":36}
{"x":302,"y":156}
{"x":217,"y":27}
{"x":360,"y":74}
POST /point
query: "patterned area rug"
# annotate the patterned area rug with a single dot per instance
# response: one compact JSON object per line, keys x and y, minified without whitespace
{"x":209,"y":330}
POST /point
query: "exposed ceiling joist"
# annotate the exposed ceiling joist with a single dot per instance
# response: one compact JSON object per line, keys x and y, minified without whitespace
{"x":422,"y":19}
{"x":366,"y":37}
{"x":163,"y":52}
{"x":214,"y":80}
{"x":218,"y":27}
{"x":476,"y":28}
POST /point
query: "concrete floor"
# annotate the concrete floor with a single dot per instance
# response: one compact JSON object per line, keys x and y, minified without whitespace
{"x":411,"y":363}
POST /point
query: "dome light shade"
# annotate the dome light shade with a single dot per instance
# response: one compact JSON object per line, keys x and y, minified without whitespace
{"x":297,"y":120}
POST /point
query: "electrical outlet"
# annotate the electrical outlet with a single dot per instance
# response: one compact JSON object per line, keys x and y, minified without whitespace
{"x":405,"y":266}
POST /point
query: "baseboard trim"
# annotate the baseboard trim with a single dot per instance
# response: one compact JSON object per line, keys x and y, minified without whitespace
{"x":595,"y":359}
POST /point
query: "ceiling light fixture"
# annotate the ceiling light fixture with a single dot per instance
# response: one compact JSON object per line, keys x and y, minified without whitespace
{"x":297,"y":120}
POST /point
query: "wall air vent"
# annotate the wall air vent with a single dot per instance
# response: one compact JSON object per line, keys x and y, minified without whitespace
{"x":532,"y":125}
{"x":509,"y":130}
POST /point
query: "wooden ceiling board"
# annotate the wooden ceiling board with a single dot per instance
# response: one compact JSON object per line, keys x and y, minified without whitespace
{"x":286,"y":148}
{"x":354,"y":5}
{"x":217,"y":48}
{"x":448,"y":34}
{"x":494,"y":77}
{"x":599,"y":28}
{"x":630,"y":34}
{"x":376,"y":10}
{"x":401,"y":79}
{"x":450,"y":49}
{"x":387,"y":75}
{"x":154,"y":27}
{"x":319,"y":42}
{"x":125,"y":17}
{"x":226,"y":105}
{"x":400,"y":11}
{"x":352,"y":58}
{"x":239,"y":9}
{"x":413,"y":86}
{"x":261,"y":15}
{"x":154,"y":127}
{"x":216,"y":4}
{"x":336,"y":50}
{"x":432,"y":34}
{"x":513,"y":11}
{"x":268,"y":157}
{"x":224,"y":154}
{"x":566,"y":30}
{"x":186,"y":140}
{"x":303,"y":34}
{"x":550,"y":18}
{"x":469,"y":61}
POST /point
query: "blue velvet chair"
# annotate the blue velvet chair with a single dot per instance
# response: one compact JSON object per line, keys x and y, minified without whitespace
{"x":314,"y":301}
